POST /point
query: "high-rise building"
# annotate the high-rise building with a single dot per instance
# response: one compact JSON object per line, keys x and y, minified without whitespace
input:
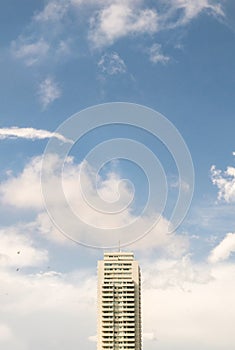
{"x":119,"y":302}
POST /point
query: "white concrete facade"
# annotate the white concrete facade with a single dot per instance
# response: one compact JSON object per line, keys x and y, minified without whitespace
{"x":119,"y":302}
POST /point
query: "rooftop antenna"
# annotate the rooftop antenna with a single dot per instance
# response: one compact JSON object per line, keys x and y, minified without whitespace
{"x":119,"y":246}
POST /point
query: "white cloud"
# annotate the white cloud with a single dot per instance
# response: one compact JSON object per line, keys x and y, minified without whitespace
{"x":224,"y":249}
{"x":45,"y":227}
{"x":31,"y":52}
{"x":34,"y":307}
{"x":199,"y":313}
{"x":23,"y":191}
{"x":47,"y":310}
{"x":150,"y":336}
{"x":63,"y":48}
{"x":175,"y":183}
{"x":48,"y":91}
{"x":175,"y":273}
{"x":29,"y":134}
{"x":92,"y":338}
{"x":119,"y":20}
{"x":225,"y":181}
{"x":109,"y":21}
{"x":156,"y":55}
{"x":174,"y":245}
{"x":5,"y":333}
{"x":53,"y":11}
{"x":181,"y":12}
{"x":112,"y":64}
{"x":17,"y":250}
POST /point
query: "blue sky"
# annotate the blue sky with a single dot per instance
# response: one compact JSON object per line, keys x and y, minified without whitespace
{"x":58,"y":58}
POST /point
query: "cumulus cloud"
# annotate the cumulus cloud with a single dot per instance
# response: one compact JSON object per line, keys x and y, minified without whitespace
{"x":225,"y":182}
{"x":199,"y":310}
{"x":224,"y":249}
{"x":175,"y":273}
{"x":112,"y":64}
{"x":17,"y":249}
{"x":48,"y":91}
{"x":36,"y":306}
{"x":156,"y":55}
{"x":31,"y":52}
{"x":29,"y":134}
{"x":83,"y":194}
{"x":47,"y":310}
{"x":44,"y":226}
{"x":23,"y":191}
{"x":119,"y":20}
{"x":174,"y":245}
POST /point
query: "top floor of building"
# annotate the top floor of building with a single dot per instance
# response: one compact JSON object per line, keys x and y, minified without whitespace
{"x":119,"y":256}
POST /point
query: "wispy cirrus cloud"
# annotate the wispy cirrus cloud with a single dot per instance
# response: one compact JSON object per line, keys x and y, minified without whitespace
{"x":53,"y":11}
{"x":48,"y":91}
{"x":181,"y":12}
{"x":156,"y":55}
{"x":30,"y":51}
{"x":112,"y":64}
{"x":108,"y":21}
{"x":30,"y":134}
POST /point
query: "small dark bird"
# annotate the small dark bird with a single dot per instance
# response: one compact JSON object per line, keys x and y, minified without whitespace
{"x":18,"y":252}
{"x":18,"y":269}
